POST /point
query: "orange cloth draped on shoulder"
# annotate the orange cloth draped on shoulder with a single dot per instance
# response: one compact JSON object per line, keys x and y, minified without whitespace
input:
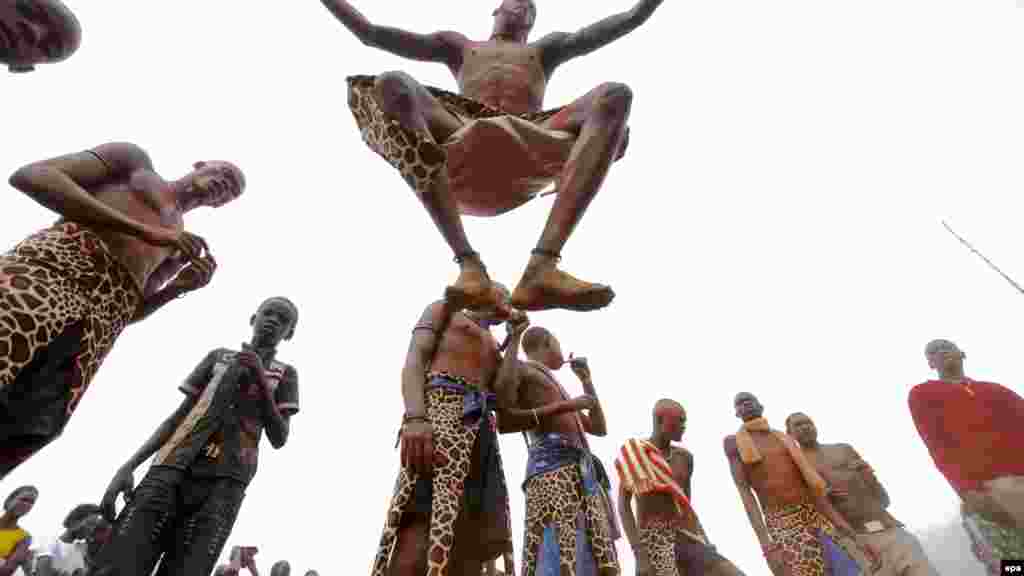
{"x":749,"y":453}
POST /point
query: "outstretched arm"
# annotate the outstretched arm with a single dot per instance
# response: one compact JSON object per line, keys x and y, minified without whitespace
{"x":61,"y":184}
{"x":560,"y":47}
{"x":443,"y":47}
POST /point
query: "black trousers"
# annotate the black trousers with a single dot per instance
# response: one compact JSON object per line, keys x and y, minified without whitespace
{"x":185,"y":519}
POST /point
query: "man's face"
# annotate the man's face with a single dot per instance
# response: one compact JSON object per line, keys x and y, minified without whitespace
{"x":515,"y":15}
{"x":22,"y":503}
{"x":802,"y":429}
{"x":673,"y":421}
{"x":747,"y":406}
{"x":272,"y":322}
{"x":945,"y":357}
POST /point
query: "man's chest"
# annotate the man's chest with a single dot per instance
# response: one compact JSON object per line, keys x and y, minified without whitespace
{"x":245,"y":388}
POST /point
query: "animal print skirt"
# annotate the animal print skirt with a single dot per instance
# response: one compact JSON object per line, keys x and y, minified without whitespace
{"x":466,"y":498}
{"x":64,"y":300}
{"x":809,"y":543}
{"x":568,"y":528}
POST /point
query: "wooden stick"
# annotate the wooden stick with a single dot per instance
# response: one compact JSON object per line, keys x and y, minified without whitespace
{"x":982,"y":256}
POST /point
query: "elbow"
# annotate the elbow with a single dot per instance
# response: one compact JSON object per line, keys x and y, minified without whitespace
{"x":367,"y":35}
{"x":23,"y":178}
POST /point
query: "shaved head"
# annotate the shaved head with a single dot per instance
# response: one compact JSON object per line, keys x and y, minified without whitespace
{"x":667,"y":405}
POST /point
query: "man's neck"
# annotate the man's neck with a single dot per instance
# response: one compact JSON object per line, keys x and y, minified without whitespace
{"x":812,"y":446}
{"x":266,"y":352}
{"x":515,"y":37}
{"x":953,"y":376}
{"x":662,"y":442}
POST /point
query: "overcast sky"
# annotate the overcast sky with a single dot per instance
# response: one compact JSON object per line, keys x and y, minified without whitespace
{"x":773,"y":228}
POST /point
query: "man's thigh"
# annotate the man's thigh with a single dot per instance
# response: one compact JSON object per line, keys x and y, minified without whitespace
{"x":141,"y":527}
{"x":204,"y":525}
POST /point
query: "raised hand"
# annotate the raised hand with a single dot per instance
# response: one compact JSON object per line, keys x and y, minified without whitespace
{"x":579,"y":367}
{"x":195,"y":275}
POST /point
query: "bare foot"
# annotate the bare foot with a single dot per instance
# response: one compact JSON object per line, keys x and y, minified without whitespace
{"x":474,"y":291}
{"x":545,"y":287}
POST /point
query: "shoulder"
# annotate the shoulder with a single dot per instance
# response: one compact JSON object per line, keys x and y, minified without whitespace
{"x":729,"y":444}
{"x":453,"y":38}
{"x":287,"y":370}
{"x":551,"y":39}
{"x":123,"y":156}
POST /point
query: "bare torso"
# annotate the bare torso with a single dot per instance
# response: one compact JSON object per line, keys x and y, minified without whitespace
{"x":469,"y":351}
{"x":539,"y":390}
{"x":839,"y":466}
{"x":146,"y":198}
{"x":660,"y":504}
{"x":508,"y":76}
{"x":775,"y":479}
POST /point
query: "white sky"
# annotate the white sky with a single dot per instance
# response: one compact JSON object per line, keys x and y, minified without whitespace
{"x":774,"y":227}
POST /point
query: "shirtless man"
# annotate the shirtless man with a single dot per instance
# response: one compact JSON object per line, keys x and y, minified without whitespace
{"x":566,"y":486}
{"x":799,"y":527}
{"x":972,"y":431}
{"x":449,"y":512}
{"x":860,"y":498}
{"x":118,"y":253}
{"x":490,"y":148}
{"x":35,"y":32}
{"x":666,"y":536}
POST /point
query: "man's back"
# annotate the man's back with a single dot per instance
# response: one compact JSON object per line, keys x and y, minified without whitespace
{"x":844,"y":470}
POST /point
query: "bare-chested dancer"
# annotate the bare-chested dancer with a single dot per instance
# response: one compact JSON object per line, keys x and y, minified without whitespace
{"x":570,"y":522}
{"x":491,"y":148}
{"x":666,"y":536}
{"x":118,"y":253}
{"x":35,"y":32}
{"x":799,"y":530}
{"x":860,"y":498}
{"x":449,"y":513}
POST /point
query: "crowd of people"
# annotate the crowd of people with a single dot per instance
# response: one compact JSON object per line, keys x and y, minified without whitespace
{"x":85,"y":531}
{"x":120,"y":252}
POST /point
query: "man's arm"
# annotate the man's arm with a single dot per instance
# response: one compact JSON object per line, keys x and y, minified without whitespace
{"x":687,"y":485}
{"x":61,"y":183}
{"x":560,"y":47}
{"x":521,"y":416}
{"x":426,"y":337}
{"x":16,"y":558}
{"x":868,"y":474}
{"x":742,"y":482}
{"x":510,"y":372}
{"x":191,"y":387}
{"x":279,"y":407}
{"x":593,"y":421}
{"x":928,"y":414}
{"x":625,"y":506}
{"x":443,"y":47}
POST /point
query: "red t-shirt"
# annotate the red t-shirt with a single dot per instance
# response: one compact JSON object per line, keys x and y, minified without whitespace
{"x":972,"y":438}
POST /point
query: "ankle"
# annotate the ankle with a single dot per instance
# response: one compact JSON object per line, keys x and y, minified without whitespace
{"x":469,"y":259}
{"x":541,"y":258}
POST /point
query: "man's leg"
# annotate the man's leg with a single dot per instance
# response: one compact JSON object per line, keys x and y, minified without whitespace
{"x":141,"y":526}
{"x":600,"y":119}
{"x":210,"y":508}
{"x":410,"y":556}
{"x":407,"y":102}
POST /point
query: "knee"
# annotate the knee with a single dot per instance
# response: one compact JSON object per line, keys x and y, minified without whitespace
{"x":395,"y":91}
{"x":613,"y":102}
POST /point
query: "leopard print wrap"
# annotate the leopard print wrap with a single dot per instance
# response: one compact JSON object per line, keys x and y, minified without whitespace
{"x":55,"y":278}
{"x":557,"y":498}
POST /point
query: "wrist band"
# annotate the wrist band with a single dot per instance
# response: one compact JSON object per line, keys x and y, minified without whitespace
{"x":407,"y":418}
{"x":535,"y":418}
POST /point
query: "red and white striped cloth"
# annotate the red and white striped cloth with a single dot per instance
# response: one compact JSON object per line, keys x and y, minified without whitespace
{"x":643,"y":469}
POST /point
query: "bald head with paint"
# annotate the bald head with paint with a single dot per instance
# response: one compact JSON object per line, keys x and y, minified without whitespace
{"x":669,"y":419}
